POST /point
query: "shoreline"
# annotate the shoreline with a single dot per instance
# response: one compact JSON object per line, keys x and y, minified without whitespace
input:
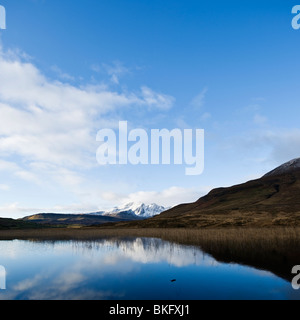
{"x":188,"y":235}
{"x":273,"y":249}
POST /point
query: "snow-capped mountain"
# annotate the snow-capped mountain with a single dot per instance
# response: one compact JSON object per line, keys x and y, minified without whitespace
{"x":137,"y":210}
{"x":285,"y":168}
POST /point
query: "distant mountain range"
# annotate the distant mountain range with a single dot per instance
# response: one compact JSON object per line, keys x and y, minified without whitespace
{"x":136,"y":210}
{"x":272,"y":200}
{"x":128,"y":212}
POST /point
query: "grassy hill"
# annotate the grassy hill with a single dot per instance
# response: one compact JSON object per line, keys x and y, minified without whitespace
{"x":273,"y":200}
{"x":11,"y":224}
{"x":63,"y":220}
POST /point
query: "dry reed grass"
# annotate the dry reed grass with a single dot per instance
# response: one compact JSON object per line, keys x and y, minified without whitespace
{"x":274,"y":249}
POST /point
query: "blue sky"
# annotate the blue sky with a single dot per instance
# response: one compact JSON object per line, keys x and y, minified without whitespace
{"x":71,"y":68}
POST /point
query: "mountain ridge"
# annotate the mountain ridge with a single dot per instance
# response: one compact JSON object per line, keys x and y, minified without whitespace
{"x":272,"y":200}
{"x":285,"y":168}
{"x":137,"y":209}
{"x":129,"y":212}
{"x":57,"y":219}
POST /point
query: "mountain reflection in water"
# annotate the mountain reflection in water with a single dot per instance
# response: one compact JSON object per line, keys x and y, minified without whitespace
{"x":129,"y":269}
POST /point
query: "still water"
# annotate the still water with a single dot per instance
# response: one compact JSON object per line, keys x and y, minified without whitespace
{"x":128,"y":269}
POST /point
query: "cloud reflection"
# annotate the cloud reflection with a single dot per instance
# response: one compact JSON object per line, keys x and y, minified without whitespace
{"x":103,"y":269}
{"x":73,"y":265}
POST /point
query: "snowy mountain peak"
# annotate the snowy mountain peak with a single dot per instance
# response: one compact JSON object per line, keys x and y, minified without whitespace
{"x":137,"y":209}
{"x":285,"y":168}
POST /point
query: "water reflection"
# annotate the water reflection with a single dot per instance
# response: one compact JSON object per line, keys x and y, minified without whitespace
{"x":139,"y":268}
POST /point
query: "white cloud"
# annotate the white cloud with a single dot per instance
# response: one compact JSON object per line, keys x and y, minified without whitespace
{"x":115,"y":70}
{"x":168,"y":197}
{"x":55,"y":122}
{"x":28,"y":284}
{"x":205,"y":116}
{"x":62,"y":75}
{"x":14,"y":210}
{"x":4,"y":187}
{"x":284,"y":144}
{"x":48,"y":128}
{"x":259,"y":119}
{"x":74,"y":208}
{"x":198,"y":101}
{"x":17,"y":210}
{"x":27,"y":176}
{"x":8,"y":166}
{"x":269,"y":148}
{"x":156,"y":100}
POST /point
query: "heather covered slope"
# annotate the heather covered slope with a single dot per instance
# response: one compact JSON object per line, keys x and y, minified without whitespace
{"x":270,"y":194}
{"x":12,"y":224}
{"x":273,"y":200}
{"x":61,"y":220}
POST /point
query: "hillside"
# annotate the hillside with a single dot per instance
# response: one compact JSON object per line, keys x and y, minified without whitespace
{"x":273,"y":200}
{"x":128,"y":212}
{"x":54,"y":219}
{"x":10,"y":224}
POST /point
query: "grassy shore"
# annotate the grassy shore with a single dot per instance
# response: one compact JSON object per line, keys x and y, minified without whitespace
{"x":274,"y":249}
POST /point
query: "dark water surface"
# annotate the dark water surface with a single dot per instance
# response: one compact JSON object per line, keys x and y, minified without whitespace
{"x":134,"y":269}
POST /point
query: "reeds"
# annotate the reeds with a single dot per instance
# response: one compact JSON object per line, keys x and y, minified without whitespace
{"x":274,"y":249}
